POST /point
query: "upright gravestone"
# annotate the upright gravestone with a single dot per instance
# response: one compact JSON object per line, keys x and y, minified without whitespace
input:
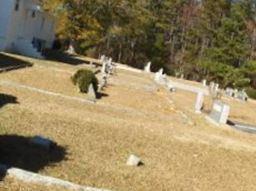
{"x":220,"y":112}
{"x":211,"y":86}
{"x":199,"y":102}
{"x":216,"y":87}
{"x":103,"y":83}
{"x":71,"y":49}
{"x":91,"y":93}
{"x":204,"y":83}
{"x":147,"y":67}
{"x":235,"y":93}
{"x":104,"y":67}
{"x":160,"y":78}
{"x":159,"y":75}
{"x":102,"y":58}
{"x":229,"y":92}
{"x":242,"y":95}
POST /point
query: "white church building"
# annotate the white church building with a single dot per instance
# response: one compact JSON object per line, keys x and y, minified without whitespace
{"x":25,"y":28}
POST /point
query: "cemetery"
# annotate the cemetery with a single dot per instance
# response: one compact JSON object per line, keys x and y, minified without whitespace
{"x":138,"y":130}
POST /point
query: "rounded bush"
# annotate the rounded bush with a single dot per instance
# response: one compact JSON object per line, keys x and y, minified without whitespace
{"x":83,"y":78}
{"x":251,"y":92}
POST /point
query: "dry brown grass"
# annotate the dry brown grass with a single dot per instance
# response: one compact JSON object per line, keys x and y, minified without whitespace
{"x":181,"y":151}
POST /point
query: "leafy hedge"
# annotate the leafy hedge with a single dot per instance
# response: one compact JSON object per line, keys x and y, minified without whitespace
{"x":83,"y":78}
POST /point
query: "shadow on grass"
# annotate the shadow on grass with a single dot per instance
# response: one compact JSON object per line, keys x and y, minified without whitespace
{"x":100,"y":95}
{"x":8,"y":63}
{"x":18,"y":151}
{"x":60,"y":56}
{"x":7,"y":99}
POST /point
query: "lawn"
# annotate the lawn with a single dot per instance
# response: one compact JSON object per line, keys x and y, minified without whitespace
{"x":180,"y":150}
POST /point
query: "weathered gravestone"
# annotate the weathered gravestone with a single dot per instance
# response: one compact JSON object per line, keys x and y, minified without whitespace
{"x":199,"y":102}
{"x":216,"y":87}
{"x":214,"y":90}
{"x":159,"y":77}
{"x":235,"y":95}
{"x":133,"y":161}
{"x":103,"y":82}
{"x":220,"y":112}
{"x":92,"y":95}
{"x":242,"y":95}
{"x":229,"y":92}
{"x":147,"y":67}
{"x":204,"y":82}
{"x":103,"y":68}
{"x":102,"y":58}
{"x":211,"y":86}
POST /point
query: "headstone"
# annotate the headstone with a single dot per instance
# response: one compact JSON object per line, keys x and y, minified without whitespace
{"x":107,"y":66}
{"x":147,"y":67}
{"x":242,"y":95}
{"x":199,"y":102}
{"x":235,"y":95}
{"x":229,"y":92}
{"x":91,"y":93}
{"x":103,"y":69}
{"x":161,"y":71}
{"x":211,"y":86}
{"x":216,"y":87}
{"x":133,"y":161}
{"x":42,"y":142}
{"x":204,"y":83}
{"x":102,"y":58}
{"x":159,"y":76}
{"x":103,"y":83}
{"x":220,"y":112}
{"x":71,"y":49}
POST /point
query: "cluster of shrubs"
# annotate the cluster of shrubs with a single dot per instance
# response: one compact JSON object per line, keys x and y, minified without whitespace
{"x":83,"y":78}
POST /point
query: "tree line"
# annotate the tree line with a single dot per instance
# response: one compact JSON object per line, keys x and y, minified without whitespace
{"x":199,"y":39}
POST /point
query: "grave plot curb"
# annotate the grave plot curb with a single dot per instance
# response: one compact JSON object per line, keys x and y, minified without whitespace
{"x":30,"y":177}
{"x":243,"y":127}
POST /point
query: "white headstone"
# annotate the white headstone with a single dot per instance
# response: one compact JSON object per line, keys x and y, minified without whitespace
{"x":229,"y":92}
{"x":103,"y":69}
{"x":159,"y":76}
{"x":133,"y":161}
{"x":235,"y":95}
{"x":71,"y":49}
{"x":147,"y":67}
{"x":91,"y":93}
{"x":102,"y":58}
{"x":161,"y":71}
{"x":242,"y":95}
{"x":220,"y":112}
{"x":216,"y":87}
{"x":199,"y":102}
{"x":204,"y":83}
